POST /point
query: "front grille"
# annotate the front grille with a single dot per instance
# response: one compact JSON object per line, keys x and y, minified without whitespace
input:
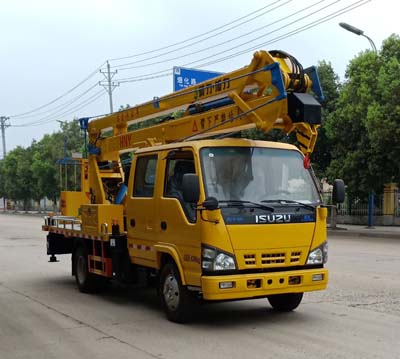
{"x":272,"y":259}
{"x":295,"y":257}
{"x":250,"y":259}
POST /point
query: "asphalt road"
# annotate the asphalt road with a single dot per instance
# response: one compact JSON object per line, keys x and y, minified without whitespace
{"x":42,"y":314}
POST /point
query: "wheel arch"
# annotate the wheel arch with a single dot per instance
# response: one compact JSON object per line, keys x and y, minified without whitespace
{"x":167,"y":254}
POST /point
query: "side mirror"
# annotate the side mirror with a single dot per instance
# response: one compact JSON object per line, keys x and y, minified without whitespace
{"x":191,"y":187}
{"x":211,"y":203}
{"x":338,"y":192}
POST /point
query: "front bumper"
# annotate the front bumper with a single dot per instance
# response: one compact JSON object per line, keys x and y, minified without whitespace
{"x":263,"y":284}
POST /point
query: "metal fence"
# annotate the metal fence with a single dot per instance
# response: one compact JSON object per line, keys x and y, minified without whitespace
{"x":43,"y":205}
{"x":360,"y":207}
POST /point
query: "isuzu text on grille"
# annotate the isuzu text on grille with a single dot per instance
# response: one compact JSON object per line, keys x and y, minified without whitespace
{"x":273,"y":218}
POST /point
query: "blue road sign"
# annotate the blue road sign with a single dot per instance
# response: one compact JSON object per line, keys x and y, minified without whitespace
{"x":184,"y":77}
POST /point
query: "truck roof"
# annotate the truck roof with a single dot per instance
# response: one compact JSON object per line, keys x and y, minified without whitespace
{"x":235,"y":142}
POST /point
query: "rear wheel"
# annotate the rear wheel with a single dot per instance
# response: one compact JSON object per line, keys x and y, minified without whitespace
{"x":87,"y":282}
{"x":176,"y":300}
{"x":285,"y":302}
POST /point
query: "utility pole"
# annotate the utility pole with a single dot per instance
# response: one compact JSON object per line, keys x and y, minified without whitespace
{"x":3,"y":125}
{"x":108,"y":84}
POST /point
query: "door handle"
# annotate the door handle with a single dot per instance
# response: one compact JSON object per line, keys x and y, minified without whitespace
{"x":132,"y":222}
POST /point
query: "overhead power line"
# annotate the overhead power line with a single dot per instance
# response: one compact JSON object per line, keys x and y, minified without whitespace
{"x":277,"y":29}
{"x":65,"y":108}
{"x":14,"y":116}
{"x":70,"y":111}
{"x":34,"y":112}
{"x":243,"y":35}
{"x":168,"y":72}
{"x":196,"y":36}
{"x":292,"y":32}
{"x":122,"y":66}
{"x":61,"y":106}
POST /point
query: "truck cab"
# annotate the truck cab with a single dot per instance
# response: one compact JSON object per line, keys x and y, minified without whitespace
{"x":264,"y":235}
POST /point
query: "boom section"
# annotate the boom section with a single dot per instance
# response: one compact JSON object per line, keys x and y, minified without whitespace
{"x":270,"y":92}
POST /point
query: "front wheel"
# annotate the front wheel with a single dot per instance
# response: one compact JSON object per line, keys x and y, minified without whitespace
{"x":285,"y":302}
{"x":176,"y":300}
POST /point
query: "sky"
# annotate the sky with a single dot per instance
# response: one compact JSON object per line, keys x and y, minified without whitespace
{"x":52,"y":51}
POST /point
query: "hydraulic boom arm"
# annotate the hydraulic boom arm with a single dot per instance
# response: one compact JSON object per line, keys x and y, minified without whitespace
{"x":271,"y":92}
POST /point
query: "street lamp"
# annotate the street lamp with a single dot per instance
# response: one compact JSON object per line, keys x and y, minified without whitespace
{"x":359,"y":32}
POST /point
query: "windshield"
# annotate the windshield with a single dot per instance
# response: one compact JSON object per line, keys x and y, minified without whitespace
{"x":256,"y":174}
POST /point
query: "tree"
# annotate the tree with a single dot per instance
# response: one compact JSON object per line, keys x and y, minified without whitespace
{"x":331,"y":86}
{"x":70,"y":136}
{"x":50,"y":149}
{"x":365,"y":125}
{"x":383,"y":117}
{"x":32,"y":173}
{"x":18,"y":175}
{"x":44,"y":170}
{"x":37,"y":192}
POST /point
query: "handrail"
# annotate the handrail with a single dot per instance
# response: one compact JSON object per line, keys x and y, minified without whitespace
{"x":63,"y":222}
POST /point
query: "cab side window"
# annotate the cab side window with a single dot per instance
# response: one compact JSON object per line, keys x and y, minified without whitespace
{"x":176,"y":168}
{"x":145,"y":175}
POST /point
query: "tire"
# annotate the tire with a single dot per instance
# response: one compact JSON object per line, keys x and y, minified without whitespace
{"x":177,"y":302}
{"x":285,"y":302}
{"x":87,"y":282}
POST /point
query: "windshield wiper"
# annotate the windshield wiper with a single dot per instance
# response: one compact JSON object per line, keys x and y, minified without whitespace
{"x":239,"y":203}
{"x":290,"y":201}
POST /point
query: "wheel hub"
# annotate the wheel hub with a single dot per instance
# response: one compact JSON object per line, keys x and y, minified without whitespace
{"x":171,"y":292}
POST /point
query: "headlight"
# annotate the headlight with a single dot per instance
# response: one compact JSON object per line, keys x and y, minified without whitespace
{"x":319,"y":255}
{"x":224,"y":262}
{"x":213,"y":259}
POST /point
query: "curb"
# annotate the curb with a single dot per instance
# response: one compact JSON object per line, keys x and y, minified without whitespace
{"x":21,"y":213}
{"x":344,"y":232}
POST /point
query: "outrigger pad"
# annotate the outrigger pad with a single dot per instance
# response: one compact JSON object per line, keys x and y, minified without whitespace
{"x":304,"y":107}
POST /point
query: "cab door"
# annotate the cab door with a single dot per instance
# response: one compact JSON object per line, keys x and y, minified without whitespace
{"x":179,"y":225}
{"x":141,"y":208}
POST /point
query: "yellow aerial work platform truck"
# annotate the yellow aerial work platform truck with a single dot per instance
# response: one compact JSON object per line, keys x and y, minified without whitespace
{"x":204,"y":214}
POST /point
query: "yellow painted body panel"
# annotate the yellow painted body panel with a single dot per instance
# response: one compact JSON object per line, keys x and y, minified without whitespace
{"x":173,"y":252}
{"x":182,"y":235}
{"x":70,"y":202}
{"x":320,"y":235}
{"x":94,"y":216}
{"x":147,"y":241}
{"x":216,"y":235}
{"x":266,"y":246}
